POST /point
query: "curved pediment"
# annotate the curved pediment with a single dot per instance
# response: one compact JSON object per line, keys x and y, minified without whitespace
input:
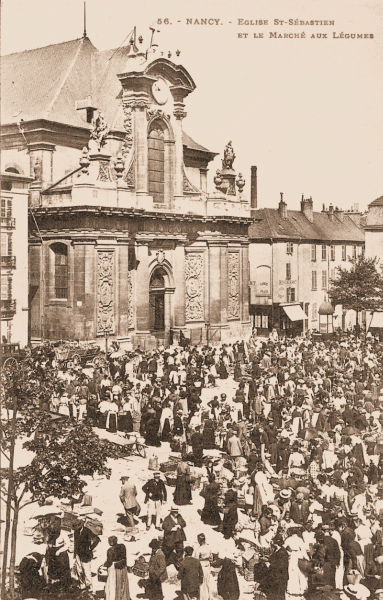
{"x":177,"y":75}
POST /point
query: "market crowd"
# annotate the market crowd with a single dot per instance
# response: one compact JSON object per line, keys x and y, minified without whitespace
{"x":296,"y":485}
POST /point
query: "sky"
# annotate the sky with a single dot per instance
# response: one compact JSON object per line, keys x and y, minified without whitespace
{"x":306,"y":111}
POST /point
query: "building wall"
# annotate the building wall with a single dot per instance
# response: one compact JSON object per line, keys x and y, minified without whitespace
{"x":14,"y":323}
{"x":299,"y":257}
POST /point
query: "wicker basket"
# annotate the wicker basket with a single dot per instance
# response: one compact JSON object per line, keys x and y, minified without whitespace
{"x":168,"y":466}
{"x":140,"y":567}
{"x":171,"y":479}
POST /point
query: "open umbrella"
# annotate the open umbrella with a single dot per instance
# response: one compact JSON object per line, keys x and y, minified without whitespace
{"x":350,"y":431}
{"x":44,"y":511}
{"x":117,"y":354}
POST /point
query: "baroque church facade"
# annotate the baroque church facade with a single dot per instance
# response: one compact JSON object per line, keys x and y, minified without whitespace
{"x":125,"y":241}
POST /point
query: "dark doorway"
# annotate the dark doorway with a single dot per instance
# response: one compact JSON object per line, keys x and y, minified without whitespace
{"x":157,"y":300}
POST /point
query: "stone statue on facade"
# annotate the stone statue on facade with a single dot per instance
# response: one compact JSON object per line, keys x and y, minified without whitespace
{"x":98,"y":132}
{"x":228,"y":157}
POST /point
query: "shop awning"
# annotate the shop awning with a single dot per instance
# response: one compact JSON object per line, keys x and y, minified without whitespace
{"x":377,"y":320}
{"x":294,"y":312}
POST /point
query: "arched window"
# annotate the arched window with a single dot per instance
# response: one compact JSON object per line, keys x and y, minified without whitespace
{"x":60,"y":252}
{"x":156,"y":165}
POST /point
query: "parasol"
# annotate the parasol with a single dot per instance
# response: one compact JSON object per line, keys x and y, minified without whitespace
{"x":117,"y":354}
{"x":44,"y":511}
{"x":350,"y":431}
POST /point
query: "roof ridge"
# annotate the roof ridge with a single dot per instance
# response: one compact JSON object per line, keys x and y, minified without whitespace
{"x":43,"y":47}
{"x":65,"y":78}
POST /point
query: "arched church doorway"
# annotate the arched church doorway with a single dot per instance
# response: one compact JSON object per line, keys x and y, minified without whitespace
{"x":157,"y":300}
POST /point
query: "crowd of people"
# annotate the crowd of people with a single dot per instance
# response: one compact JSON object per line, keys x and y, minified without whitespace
{"x":298,"y":479}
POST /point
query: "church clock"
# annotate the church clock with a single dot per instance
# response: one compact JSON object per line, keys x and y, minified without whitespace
{"x":160,"y":91}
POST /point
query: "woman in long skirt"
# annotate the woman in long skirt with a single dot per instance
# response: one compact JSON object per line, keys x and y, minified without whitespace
{"x":182,"y":493}
{"x":204,"y":555}
{"x":117,"y":584}
{"x":210,"y":512}
{"x":297,"y":583}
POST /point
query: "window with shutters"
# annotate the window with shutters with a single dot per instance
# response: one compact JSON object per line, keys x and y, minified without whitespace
{"x":324,"y":251}
{"x":354,"y":252}
{"x":344,"y":253}
{"x":5,"y":287}
{"x":314,"y":312}
{"x":314,"y":282}
{"x":290,"y":294}
{"x":313,"y":252}
{"x":288,"y":271}
{"x":60,"y":252}
{"x":332,"y":252}
{"x":289,"y":248}
{"x":324,"y":280}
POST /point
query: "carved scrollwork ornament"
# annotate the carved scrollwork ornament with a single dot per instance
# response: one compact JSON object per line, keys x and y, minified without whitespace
{"x":233,"y":284}
{"x":105,"y":293}
{"x":194,"y":287}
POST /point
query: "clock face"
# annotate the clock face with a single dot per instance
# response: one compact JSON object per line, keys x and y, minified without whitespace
{"x":160,"y":91}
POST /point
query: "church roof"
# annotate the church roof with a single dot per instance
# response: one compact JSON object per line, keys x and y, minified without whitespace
{"x":271,"y":225}
{"x":45,"y":83}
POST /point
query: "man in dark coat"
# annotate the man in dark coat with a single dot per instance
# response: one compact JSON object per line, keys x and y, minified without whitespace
{"x":191,"y":575}
{"x":157,"y":571}
{"x":197,"y":446}
{"x":155,"y":495}
{"x":278,"y":571}
{"x":300,"y":509}
{"x":174,"y":537}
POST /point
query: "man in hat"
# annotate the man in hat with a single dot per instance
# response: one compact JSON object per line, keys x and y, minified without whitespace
{"x":191,"y":575}
{"x":157,"y":571}
{"x":174,"y":537}
{"x":155,"y":496}
{"x":128,"y":498}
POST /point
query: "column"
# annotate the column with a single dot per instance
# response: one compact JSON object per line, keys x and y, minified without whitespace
{"x":179,"y":114}
{"x":142,"y":287}
{"x":179,"y":283}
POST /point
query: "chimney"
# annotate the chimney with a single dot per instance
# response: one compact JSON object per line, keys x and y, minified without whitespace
{"x":307,"y":208}
{"x":282,"y":207}
{"x":331,"y":212}
{"x":253,"y":191}
{"x":323,"y":208}
{"x":339,"y":213}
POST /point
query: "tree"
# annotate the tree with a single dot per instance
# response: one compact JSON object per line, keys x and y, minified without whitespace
{"x":359,"y":288}
{"x":64,"y":452}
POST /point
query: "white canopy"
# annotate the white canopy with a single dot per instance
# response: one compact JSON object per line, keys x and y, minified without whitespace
{"x":294,"y":312}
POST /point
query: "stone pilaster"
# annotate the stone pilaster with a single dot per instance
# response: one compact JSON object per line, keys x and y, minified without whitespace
{"x":179,"y":283}
{"x":142,"y":287}
{"x":179,"y":114}
{"x":214,"y":283}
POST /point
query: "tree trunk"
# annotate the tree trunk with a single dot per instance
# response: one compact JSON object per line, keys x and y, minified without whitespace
{"x":357,"y":328}
{"x":12,"y":561}
{"x":10,"y":495}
